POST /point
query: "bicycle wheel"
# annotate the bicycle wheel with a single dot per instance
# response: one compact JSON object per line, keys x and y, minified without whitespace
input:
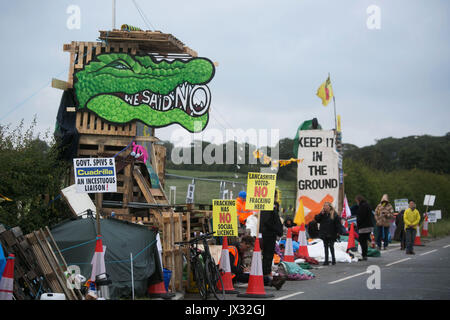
{"x":213,"y":278}
{"x":199,"y":277}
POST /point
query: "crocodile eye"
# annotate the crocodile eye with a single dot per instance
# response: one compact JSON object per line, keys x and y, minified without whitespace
{"x":121,"y":65}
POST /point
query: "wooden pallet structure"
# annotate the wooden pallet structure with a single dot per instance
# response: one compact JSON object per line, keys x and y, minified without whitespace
{"x":39,"y":265}
{"x":99,"y":138}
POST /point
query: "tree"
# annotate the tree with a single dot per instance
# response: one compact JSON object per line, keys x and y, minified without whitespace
{"x":31,"y":176}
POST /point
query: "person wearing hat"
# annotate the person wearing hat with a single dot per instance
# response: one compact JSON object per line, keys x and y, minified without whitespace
{"x":242,"y":213}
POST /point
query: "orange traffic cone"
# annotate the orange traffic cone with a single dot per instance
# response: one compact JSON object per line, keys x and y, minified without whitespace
{"x":351,"y":238}
{"x":158,"y":290}
{"x":372,"y":240}
{"x":224,"y":266}
{"x":289,"y":251}
{"x":417,"y":239}
{"x":7,"y":281}
{"x":255,"y":287}
{"x":303,"y":243}
{"x":425,"y":227}
{"x":346,"y":225}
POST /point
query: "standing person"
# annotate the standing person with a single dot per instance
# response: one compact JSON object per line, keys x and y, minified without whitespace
{"x":400,"y":230}
{"x":330,"y":228}
{"x":239,"y":272}
{"x":270,"y":228}
{"x":411,"y":218}
{"x":365,"y":224}
{"x":384,"y":213}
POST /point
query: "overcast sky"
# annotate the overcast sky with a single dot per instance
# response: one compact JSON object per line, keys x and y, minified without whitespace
{"x":272,"y":55}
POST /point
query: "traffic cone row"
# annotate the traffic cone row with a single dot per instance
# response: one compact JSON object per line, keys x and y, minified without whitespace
{"x":351,"y":238}
{"x":289,"y":251}
{"x":425,"y":227}
{"x":7,"y":281}
{"x":372,"y":240}
{"x":417,"y":241}
{"x":225,"y":267}
{"x":158,"y":290}
{"x":303,"y":243}
{"x":255,"y":287}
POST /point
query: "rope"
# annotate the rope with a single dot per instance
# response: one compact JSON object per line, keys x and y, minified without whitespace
{"x":79,"y":245}
{"x":114,"y":261}
{"x":123,"y":149}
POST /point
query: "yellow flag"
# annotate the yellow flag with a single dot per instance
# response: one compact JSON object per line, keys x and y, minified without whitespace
{"x":300,"y":215}
{"x":325,"y":92}
{"x":339,"y":123}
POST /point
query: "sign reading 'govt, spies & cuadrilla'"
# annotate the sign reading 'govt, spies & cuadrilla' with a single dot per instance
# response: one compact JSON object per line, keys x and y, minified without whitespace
{"x":95,"y":175}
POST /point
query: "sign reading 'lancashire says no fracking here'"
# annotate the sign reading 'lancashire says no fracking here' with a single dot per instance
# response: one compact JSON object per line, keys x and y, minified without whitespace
{"x":260,"y":191}
{"x":225,"y":218}
{"x":318,"y":174}
{"x":95,"y":175}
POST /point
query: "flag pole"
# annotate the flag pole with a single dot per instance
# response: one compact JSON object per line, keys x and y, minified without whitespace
{"x":334,"y":104}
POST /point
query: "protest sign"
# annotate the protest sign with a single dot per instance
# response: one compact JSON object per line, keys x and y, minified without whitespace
{"x":95,"y":175}
{"x":429,"y":200}
{"x":401,"y":204}
{"x":260,"y":191}
{"x":318,"y":174}
{"x":434,"y":216}
{"x":225,"y":218}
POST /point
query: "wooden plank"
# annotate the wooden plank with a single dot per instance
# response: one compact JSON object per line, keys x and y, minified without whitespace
{"x":71,"y":64}
{"x":89,"y":52}
{"x":79,"y":64}
{"x":143,"y":185}
{"x":60,"y":84}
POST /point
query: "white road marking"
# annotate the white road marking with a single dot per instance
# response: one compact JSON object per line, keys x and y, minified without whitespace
{"x":288,"y":296}
{"x":422,"y":254}
{"x":386,"y":251}
{"x":343,"y":279}
{"x":390,"y":264}
{"x":447,"y":246}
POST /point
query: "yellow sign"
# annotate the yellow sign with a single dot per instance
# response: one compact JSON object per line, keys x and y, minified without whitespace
{"x":260,"y":191}
{"x":339,"y":123}
{"x":225,"y":218}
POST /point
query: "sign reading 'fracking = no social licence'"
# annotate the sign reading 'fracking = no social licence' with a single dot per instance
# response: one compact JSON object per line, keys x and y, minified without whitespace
{"x":95,"y":175}
{"x":225,"y":218}
{"x":260,"y":191}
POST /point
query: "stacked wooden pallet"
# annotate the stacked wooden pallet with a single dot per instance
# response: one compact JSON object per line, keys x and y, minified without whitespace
{"x":39,"y":266}
{"x":148,"y":41}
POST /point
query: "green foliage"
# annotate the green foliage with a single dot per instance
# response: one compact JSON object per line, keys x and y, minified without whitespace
{"x":412,"y":184}
{"x":30,"y":175}
{"x":421,"y":152}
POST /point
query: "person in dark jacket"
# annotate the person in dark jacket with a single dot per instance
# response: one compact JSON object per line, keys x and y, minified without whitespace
{"x":330,"y":228}
{"x":399,"y":234}
{"x":270,"y":228}
{"x":365,"y":224}
{"x":313,"y":230}
{"x":241,"y":273}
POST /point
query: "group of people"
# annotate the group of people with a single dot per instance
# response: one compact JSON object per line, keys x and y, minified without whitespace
{"x":406,"y":222}
{"x":327,"y":225}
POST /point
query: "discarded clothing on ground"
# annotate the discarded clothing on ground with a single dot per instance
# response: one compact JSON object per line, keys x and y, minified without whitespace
{"x":294,"y":272}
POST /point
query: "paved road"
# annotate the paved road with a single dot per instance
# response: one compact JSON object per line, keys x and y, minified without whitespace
{"x":425,"y":275}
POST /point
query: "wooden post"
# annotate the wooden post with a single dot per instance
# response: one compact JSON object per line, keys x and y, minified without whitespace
{"x":98,"y":200}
